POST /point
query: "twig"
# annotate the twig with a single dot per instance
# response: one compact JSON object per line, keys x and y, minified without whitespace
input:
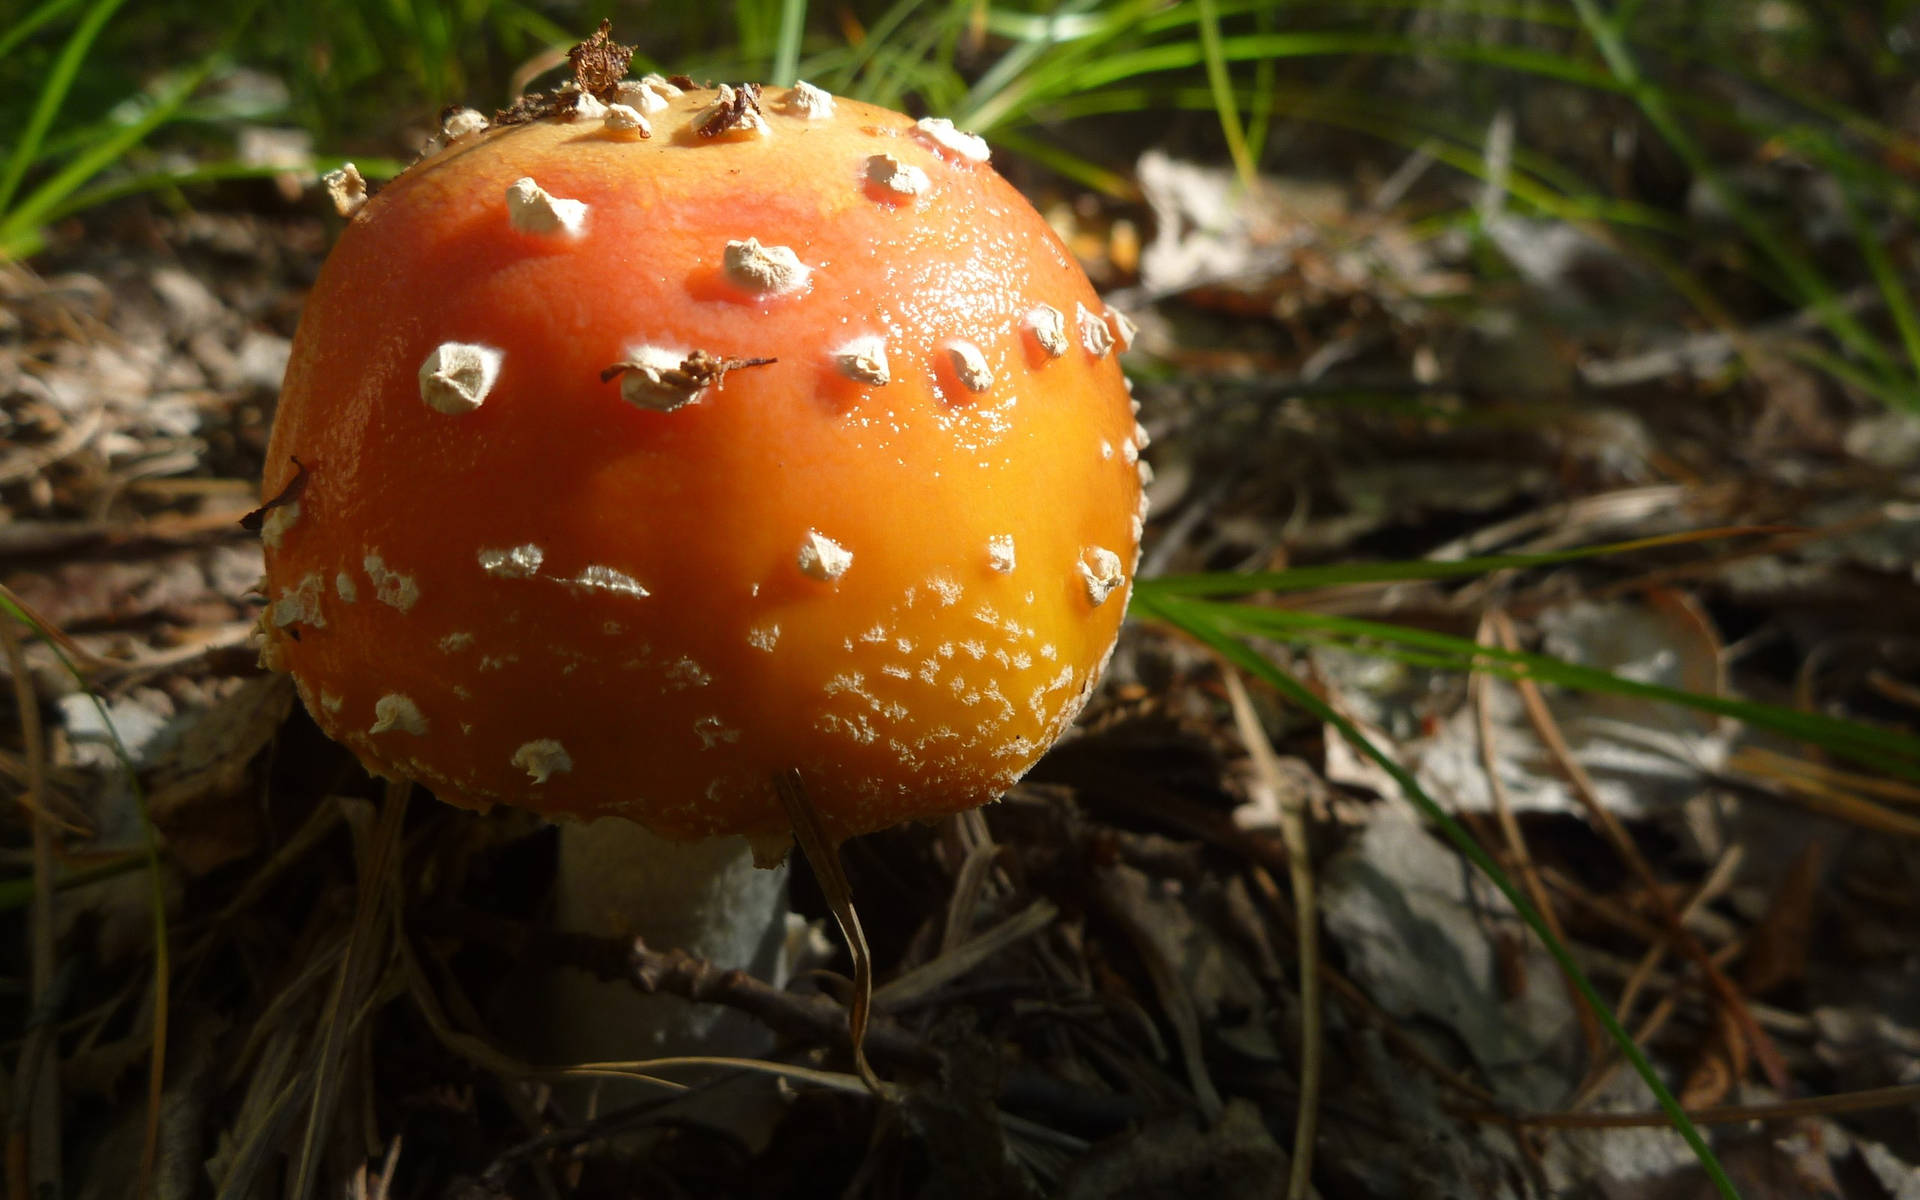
{"x":36,"y":1099}
{"x":1722,"y":987}
{"x":1293,"y":829}
{"x":1596,"y":1040}
{"x":951,"y":964}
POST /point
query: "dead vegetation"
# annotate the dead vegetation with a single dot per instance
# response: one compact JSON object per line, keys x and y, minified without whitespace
{"x":1097,"y":987}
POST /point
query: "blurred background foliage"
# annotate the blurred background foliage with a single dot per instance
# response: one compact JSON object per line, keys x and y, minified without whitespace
{"x":1758,"y":158}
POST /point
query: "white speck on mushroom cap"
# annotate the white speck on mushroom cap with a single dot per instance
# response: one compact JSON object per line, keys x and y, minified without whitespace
{"x":864,"y":359}
{"x":808,"y":102}
{"x":456,"y":377}
{"x":462,"y":122}
{"x":714,"y":732}
{"x":822,"y":558}
{"x":346,"y":588}
{"x":533,"y":209}
{"x":1000,"y":552}
{"x":395,"y":711}
{"x":586,"y":107}
{"x":519,"y":562}
{"x":274,"y":526}
{"x":905,"y":179}
{"x":659,"y":83}
{"x":942,"y":133}
{"x":652,"y":379}
{"x":390,"y":587}
{"x":970,"y":366}
{"x":1140,"y":437}
{"x":1130,"y":452}
{"x":625,"y":121}
{"x":1100,"y":570}
{"x":1049,"y":329}
{"x":647,"y":95}
{"x":764,"y":270}
{"x":1094,"y":334}
{"x":300,"y":604}
{"x":599,"y":578}
{"x":346,"y":187}
{"x":764,"y":637}
{"x":331,"y":702}
{"x":541,"y":758}
{"x":1122,"y":328}
{"x":455,"y":642}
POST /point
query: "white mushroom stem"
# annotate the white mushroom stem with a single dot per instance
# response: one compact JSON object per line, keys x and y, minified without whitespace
{"x":707,"y":898}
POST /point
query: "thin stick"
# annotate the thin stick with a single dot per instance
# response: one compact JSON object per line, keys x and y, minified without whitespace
{"x":1716,"y":980}
{"x":825,"y":858}
{"x":1293,"y":830}
{"x":36,"y":1101}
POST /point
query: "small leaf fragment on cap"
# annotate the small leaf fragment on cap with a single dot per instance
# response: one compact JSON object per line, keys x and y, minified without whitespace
{"x":735,"y":111}
{"x":864,"y":359}
{"x":970,"y":365}
{"x":808,"y":102}
{"x":662,"y":380}
{"x":533,"y":209}
{"x":764,"y":270}
{"x":1049,"y":329}
{"x":541,"y":758}
{"x":346,"y":187}
{"x":1000,"y":553}
{"x":1094,"y":334}
{"x":625,"y":121}
{"x":822,"y":558}
{"x":394,"y":711}
{"x":1100,"y":571}
{"x":456,"y":377}
{"x":904,"y":179}
{"x":941,"y":132}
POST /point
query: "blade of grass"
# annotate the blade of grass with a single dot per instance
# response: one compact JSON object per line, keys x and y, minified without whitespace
{"x":786,"y":50}
{"x":1221,"y":82}
{"x":1243,"y":656}
{"x":53,"y":94}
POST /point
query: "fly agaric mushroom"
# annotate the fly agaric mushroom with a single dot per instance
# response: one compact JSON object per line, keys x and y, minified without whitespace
{"x":638,"y":471}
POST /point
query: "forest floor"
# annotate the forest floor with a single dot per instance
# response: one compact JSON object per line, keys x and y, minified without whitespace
{"x":1325,"y":382}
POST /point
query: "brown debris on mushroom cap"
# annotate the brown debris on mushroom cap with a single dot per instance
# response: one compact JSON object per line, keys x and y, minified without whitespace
{"x":346,"y":187}
{"x":737,"y":110}
{"x":664,"y":380}
{"x":599,"y":63}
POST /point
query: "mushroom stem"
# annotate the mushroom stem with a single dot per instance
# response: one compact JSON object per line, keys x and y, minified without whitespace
{"x":706,"y":897}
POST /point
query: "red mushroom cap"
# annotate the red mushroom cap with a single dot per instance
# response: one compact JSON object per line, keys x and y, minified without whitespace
{"x":654,"y":450}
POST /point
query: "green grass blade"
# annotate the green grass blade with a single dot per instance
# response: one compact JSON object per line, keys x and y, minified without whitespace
{"x":22,"y":29}
{"x":1219,"y":79}
{"x":786,"y":50}
{"x":53,"y":93}
{"x":1190,"y":620}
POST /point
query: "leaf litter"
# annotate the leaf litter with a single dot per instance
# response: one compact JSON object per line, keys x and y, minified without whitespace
{"x":1093,"y":988}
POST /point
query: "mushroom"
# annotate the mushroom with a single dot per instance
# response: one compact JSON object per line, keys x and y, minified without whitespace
{"x":553,"y":596}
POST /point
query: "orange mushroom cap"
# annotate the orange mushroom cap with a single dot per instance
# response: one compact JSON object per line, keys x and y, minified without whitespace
{"x":640,"y":467}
